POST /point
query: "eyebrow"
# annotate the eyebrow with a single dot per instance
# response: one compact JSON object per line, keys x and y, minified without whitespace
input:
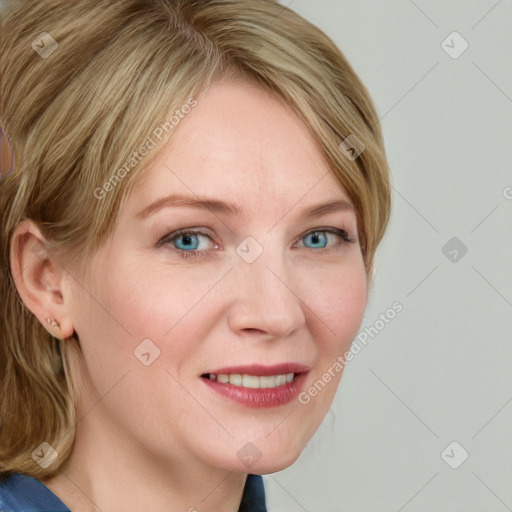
{"x":228,"y":208}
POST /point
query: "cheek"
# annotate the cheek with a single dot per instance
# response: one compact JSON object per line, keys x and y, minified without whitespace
{"x":115,"y":311}
{"x":339,"y":301}
{"x":163,"y":304}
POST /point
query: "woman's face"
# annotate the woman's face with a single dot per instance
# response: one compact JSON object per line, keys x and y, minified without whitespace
{"x":266,"y":287}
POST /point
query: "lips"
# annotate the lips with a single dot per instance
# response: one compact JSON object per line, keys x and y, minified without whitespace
{"x":258,"y":385}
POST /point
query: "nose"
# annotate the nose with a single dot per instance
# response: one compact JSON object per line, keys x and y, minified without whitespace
{"x":266,"y":300}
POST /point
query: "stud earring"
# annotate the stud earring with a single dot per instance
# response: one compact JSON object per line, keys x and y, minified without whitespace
{"x":53,"y":322}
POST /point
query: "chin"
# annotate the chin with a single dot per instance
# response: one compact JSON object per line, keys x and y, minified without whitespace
{"x":270,"y":461}
{"x":274,"y":464}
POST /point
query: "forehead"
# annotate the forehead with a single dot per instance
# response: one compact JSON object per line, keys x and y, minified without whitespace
{"x":245,"y":146}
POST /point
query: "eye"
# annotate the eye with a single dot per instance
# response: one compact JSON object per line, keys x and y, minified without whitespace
{"x":320,"y":237}
{"x":186,"y":242}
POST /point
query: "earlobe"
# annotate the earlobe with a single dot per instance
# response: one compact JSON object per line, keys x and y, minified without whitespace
{"x":39,"y":278}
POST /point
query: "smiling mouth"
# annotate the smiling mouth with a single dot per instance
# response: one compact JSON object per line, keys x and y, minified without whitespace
{"x":256,"y":385}
{"x":252,"y":381}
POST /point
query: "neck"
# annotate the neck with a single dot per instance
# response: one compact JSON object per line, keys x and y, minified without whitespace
{"x":109,"y":470}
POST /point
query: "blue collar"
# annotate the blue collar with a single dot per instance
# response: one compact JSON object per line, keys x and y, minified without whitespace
{"x":21,"y":493}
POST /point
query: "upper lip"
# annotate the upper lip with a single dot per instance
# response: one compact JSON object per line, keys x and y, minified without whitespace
{"x":262,"y":370}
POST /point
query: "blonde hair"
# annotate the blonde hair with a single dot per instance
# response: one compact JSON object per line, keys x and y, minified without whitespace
{"x":84,"y":86}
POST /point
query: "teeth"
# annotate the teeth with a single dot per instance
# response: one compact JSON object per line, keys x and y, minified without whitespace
{"x":267,"y":382}
{"x":236,"y":380}
{"x":250,"y":381}
{"x":253,"y":381}
{"x":280,"y":380}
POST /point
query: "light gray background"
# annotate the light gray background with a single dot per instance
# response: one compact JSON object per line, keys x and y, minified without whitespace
{"x":441,"y":370}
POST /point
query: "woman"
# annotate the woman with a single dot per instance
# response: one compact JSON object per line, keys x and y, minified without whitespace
{"x":188,"y":242}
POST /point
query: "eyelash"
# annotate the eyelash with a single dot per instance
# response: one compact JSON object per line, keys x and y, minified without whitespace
{"x":171,"y":237}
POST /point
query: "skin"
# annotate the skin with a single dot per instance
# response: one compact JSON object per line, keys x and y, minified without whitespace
{"x":150,"y":436}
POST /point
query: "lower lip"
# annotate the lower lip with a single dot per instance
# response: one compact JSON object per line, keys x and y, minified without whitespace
{"x":262,"y":397}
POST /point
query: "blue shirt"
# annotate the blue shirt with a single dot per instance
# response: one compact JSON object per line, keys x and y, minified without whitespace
{"x":21,"y":493}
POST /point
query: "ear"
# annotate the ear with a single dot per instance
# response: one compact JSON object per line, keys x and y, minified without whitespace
{"x":40,"y":279}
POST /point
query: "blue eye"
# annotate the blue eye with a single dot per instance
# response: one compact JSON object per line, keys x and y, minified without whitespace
{"x":186,"y":241}
{"x":318,"y":237}
{"x":189,"y":241}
